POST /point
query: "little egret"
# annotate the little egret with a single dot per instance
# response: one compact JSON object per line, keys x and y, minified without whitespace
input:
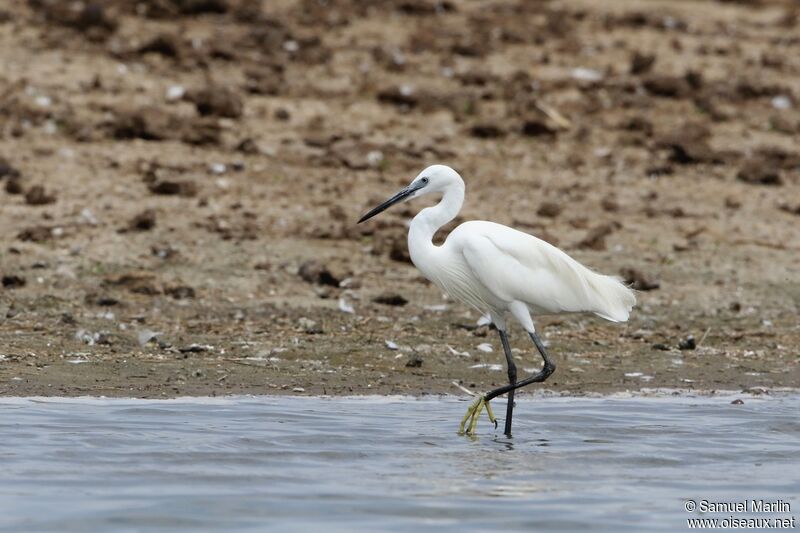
{"x":499,"y":270}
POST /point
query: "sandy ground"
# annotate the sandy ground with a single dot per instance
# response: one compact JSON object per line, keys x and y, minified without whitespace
{"x":180,"y":181}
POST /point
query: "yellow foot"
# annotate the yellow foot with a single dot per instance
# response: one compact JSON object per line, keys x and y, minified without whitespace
{"x":470,"y":420}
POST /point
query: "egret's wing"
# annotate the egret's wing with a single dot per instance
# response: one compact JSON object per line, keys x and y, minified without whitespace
{"x":512,"y":271}
{"x":516,"y":266}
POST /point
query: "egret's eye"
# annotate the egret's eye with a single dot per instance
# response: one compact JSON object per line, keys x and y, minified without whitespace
{"x":425,"y":180}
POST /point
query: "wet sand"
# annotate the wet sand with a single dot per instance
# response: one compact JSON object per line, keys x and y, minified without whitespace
{"x":180,"y":184}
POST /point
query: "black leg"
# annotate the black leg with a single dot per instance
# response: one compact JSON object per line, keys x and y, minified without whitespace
{"x":512,"y":380}
{"x":548,"y":368}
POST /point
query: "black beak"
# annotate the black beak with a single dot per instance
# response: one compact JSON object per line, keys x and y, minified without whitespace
{"x":397,"y":198}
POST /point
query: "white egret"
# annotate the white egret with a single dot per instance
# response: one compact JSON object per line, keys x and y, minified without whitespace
{"x":499,"y":270}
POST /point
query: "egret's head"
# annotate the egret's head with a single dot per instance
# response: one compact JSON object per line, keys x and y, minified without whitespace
{"x":435,"y":178}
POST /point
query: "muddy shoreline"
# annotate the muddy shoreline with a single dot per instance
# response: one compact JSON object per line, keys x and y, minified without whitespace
{"x":180,"y":181}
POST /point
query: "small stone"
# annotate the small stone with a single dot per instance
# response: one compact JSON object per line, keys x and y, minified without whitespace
{"x":195,"y":348}
{"x":781,"y":102}
{"x":309,"y":326}
{"x":186,"y":189}
{"x":180,"y":292}
{"x":248,"y":146}
{"x":688,"y":343}
{"x":175,"y":92}
{"x":313,"y":271}
{"x":144,"y":221}
{"x":36,"y":195}
{"x":486,"y":131}
{"x":403,"y":96}
{"x":106,"y":301}
{"x":549,"y":209}
{"x":639,"y":281}
{"x":8,"y":171}
{"x":346,"y":307}
{"x":760,"y":171}
{"x":390,"y":299}
{"x":36,"y":234}
{"x":164,"y":251}
{"x":732,"y":202}
{"x":666,"y":86}
{"x":687,"y":153}
{"x":12,"y":281}
{"x":689,"y":144}
{"x":536,"y":127}
{"x":414,"y":361}
{"x":217,"y":101}
{"x":791,"y":209}
{"x":596,"y":238}
{"x":14,"y":185}
{"x":737,"y":402}
{"x":610,"y":204}
{"x":167,"y":45}
{"x":586,"y":74}
{"x":139,"y":282}
{"x":641,"y":63}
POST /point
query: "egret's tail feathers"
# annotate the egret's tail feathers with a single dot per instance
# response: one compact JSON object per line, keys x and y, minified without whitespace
{"x":614,"y":299}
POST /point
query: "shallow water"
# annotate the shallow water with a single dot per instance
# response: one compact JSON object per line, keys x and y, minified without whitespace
{"x":375,"y":464}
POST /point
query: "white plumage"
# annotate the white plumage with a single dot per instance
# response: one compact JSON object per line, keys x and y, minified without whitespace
{"x":499,"y":270}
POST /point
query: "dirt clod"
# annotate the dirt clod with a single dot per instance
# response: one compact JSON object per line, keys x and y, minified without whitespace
{"x":638,"y":280}
{"x":666,"y":86}
{"x":313,"y":271}
{"x":595,"y":239}
{"x":180,"y":292}
{"x":187,"y":189}
{"x":217,"y":101}
{"x":688,"y":343}
{"x":167,"y":45}
{"x":414,"y":361}
{"x":641,"y":63}
{"x":760,"y":171}
{"x":144,"y":221}
{"x":13,"y":281}
{"x":14,"y":185}
{"x":149,"y":123}
{"x":549,"y":209}
{"x":37,"y":195}
{"x":789,"y":208}
{"x":535,"y":127}
{"x":139,"y":282}
{"x":309,"y":326}
{"x":36,"y":234}
{"x":390,"y":299}
{"x":486,"y":131}
{"x":7,"y":170}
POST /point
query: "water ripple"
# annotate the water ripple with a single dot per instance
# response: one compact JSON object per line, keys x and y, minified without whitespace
{"x":348,"y":464}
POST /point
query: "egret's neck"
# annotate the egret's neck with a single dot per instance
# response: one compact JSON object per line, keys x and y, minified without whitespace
{"x":430,"y":219}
